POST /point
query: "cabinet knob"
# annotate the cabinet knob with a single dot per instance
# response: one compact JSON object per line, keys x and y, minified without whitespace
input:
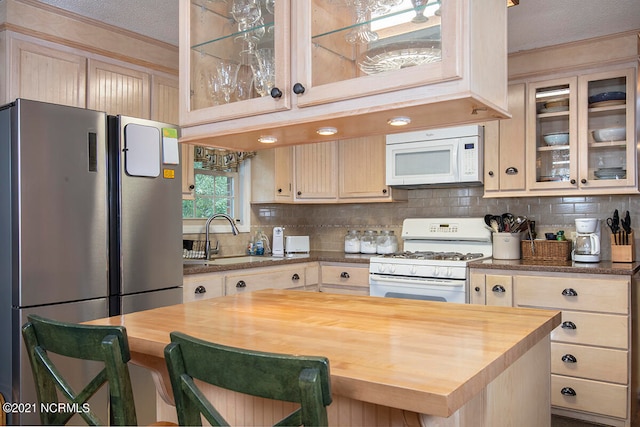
{"x":568,"y":325}
{"x":569,"y":292}
{"x":583,"y":181}
{"x":477,"y":289}
{"x":276,"y":93}
{"x":573,"y":181}
{"x":511,"y":170}
{"x":499,"y":289}
{"x":191,"y":187}
{"x":490,"y":173}
{"x":298,"y":89}
{"x":200,"y":290}
{"x":384,"y":191}
{"x":299,"y":193}
{"x":568,"y":391}
{"x":279,"y":190}
{"x":241,"y":284}
{"x":344,"y":275}
{"x":295,"y":277}
{"x":569,"y":358}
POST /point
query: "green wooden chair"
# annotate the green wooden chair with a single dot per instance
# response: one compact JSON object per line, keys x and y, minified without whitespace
{"x":300,"y":379}
{"x":107,"y":344}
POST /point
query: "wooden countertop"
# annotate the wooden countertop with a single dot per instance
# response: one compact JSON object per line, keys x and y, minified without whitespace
{"x":426,"y":357}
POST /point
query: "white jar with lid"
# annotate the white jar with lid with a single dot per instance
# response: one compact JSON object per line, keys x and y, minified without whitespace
{"x":387,"y":242}
{"x":352,"y":242}
{"x":368,"y":242}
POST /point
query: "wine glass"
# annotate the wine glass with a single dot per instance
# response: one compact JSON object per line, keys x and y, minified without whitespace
{"x":419,"y":6}
{"x":227,"y":78}
{"x":213,"y":88}
{"x":264,"y":71}
{"x":246,"y":13}
{"x":361,"y":33}
{"x":270,"y":5}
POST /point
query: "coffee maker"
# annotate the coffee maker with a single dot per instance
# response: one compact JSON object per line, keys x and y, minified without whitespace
{"x":586,"y":247}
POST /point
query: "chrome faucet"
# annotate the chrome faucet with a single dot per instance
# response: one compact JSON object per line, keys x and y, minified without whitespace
{"x":207,"y":242}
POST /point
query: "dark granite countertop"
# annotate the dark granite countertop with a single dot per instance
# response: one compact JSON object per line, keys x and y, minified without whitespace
{"x":257,"y":261}
{"x":602,"y":267}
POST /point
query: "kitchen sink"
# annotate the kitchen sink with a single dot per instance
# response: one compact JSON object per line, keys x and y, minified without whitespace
{"x":236,"y":260}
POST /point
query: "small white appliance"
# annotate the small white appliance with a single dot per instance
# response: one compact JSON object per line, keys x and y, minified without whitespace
{"x":437,"y":156}
{"x":586,"y":247}
{"x":434,"y":264}
{"x":277,"y":244}
{"x":296,"y":244}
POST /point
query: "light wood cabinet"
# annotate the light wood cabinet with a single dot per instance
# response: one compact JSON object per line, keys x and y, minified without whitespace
{"x":362,"y":163}
{"x":42,"y":73}
{"x":272,"y":176}
{"x":343,"y":278}
{"x":322,"y":79}
{"x":202,"y":286}
{"x":279,"y":277}
{"x":316,"y":172}
{"x":593,"y":363}
{"x":504,"y":148}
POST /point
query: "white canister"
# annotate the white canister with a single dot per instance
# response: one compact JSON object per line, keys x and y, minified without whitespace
{"x":506,"y":245}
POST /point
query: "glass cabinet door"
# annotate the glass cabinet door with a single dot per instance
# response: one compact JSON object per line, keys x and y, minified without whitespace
{"x":553,"y":148}
{"x":351,"y":46}
{"x":607,"y":129}
{"x":233,"y":57}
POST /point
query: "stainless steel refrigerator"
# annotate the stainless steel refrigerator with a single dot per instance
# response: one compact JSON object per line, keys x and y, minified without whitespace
{"x":90,"y":226}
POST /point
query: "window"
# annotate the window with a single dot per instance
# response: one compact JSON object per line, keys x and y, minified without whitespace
{"x":215,"y":192}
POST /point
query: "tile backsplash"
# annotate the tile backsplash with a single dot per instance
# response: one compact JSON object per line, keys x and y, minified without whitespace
{"x":327,"y":224}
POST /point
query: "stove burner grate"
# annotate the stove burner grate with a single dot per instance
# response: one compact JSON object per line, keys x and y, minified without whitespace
{"x":430,"y":255}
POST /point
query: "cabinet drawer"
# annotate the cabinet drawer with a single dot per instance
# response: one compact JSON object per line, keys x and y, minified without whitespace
{"x":590,"y":396}
{"x":289,"y":278}
{"x":202,"y":286}
{"x":345,"y":275}
{"x":594,"y":363}
{"x":604,"y":330}
{"x":499,"y":290}
{"x":602,"y":295}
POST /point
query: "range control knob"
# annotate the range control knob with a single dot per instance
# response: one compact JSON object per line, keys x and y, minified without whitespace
{"x":392,"y":268}
{"x":436,"y":271}
{"x":413,"y":269}
{"x":381,"y":268}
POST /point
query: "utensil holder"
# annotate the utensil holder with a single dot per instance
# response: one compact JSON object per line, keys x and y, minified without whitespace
{"x":623,"y":253}
{"x":506,"y":246}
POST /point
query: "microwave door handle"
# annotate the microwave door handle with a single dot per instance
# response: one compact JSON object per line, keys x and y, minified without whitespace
{"x":455,"y":158}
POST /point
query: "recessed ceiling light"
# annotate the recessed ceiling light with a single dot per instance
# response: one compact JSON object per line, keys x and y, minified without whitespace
{"x":399,"y":121}
{"x":267,"y":139}
{"x":327,"y":131}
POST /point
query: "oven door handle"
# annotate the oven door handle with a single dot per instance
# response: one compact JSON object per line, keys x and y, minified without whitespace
{"x":404,"y":281}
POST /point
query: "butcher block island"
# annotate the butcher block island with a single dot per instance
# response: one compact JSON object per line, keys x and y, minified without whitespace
{"x":392,"y":361}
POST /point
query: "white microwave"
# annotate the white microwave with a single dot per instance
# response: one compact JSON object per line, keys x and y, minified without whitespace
{"x":436,"y":156}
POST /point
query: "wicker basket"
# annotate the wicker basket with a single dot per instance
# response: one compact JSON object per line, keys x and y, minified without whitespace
{"x":546,"y":250}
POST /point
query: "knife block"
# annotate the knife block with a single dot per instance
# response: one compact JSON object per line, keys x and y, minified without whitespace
{"x":623,"y":253}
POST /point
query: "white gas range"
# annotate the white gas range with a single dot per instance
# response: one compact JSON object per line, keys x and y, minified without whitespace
{"x":433,"y":265}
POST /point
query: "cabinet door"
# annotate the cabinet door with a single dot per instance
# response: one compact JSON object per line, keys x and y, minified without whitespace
{"x":512,"y":142}
{"x":499,"y":290}
{"x":552,"y":139}
{"x":316,"y":171}
{"x":234,"y":62}
{"x":118,"y":90}
{"x":283,"y":173}
{"x":477,"y":289}
{"x":45,"y":74}
{"x":188,"y":177}
{"x":164,"y":99}
{"x":362,"y":168}
{"x":606,"y":131}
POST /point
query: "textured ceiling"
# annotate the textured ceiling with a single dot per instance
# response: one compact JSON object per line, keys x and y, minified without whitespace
{"x":533,"y":23}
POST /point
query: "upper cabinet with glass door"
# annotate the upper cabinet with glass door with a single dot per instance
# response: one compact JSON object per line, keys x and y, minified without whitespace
{"x":231,"y":62}
{"x":581,"y":133}
{"x":287,"y":67}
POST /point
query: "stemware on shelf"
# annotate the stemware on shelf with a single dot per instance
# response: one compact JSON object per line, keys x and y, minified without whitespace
{"x":246,"y":13}
{"x":227,"y":78}
{"x":264,"y":71}
{"x":419,"y":6}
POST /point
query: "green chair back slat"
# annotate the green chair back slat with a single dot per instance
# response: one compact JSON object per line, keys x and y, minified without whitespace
{"x":300,"y":379}
{"x":106,"y":344}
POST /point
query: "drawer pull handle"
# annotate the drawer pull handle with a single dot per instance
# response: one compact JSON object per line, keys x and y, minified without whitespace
{"x":569,"y":358}
{"x":344,"y":275}
{"x":295,"y":277}
{"x":568,"y":391}
{"x":499,"y":289}
{"x":568,"y":325}
{"x":201,"y":290}
{"x":241,"y":284}
{"x":569,"y":292}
